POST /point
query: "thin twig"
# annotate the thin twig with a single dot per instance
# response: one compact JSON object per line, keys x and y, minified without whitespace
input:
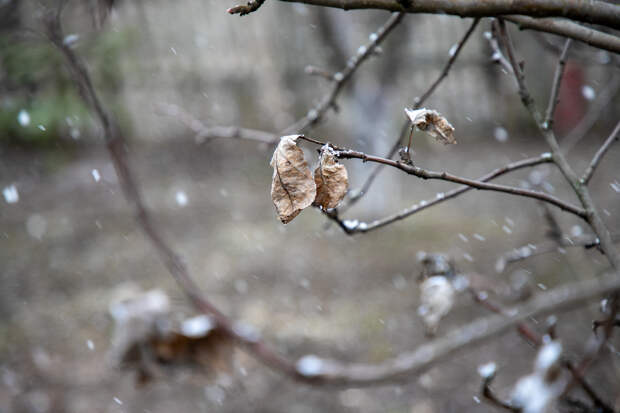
{"x":444,"y":176}
{"x":600,"y":105}
{"x":592,"y":215}
{"x":242,"y":10}
{"x":555,"y":89}
{"x":532,"y":250}
{"x":316,"y":114}
{"x":532,"y":337}
{"x":592,"y":11}
{"x":205,"y":133}
{"x":567,"y":28}
{"x":418,"y":102}
{"x":585,"y":179}
{"x":422,"y":205}
{"x":494,"y":399}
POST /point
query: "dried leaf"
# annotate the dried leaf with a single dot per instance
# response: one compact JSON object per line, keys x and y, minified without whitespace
{"x":148,"y":340}
{"x":292,"y":186}
{"x":331,"y":180}
{"x":433,"y":123}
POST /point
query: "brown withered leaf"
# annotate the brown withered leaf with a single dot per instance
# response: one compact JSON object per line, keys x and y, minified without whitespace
{"x":292,"y":185}
{"x":331,"y":180}
{"x":148,"y":340}
{"x":433,"y":123}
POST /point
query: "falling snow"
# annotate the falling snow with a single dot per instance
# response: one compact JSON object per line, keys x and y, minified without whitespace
{"x":500,"y":134}
{"x":588,"y":92}
{"x":23,"y":118}
{"x":96,"y":175}
{"x":181,"y":198}
{"x":198,"y":326}
{"x":11,"y":196}
{"x":486,"y":371}
{"x":36,"y":226}
{"x":309,"y":365}
{"x":453,"y":49}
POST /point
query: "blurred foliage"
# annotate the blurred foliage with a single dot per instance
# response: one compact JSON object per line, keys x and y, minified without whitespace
{"x":33,"y":79}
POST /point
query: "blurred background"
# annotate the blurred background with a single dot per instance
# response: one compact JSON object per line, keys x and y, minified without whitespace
{"x":69,"y":246}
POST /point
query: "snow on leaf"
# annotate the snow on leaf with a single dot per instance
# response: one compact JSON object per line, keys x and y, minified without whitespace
{"x":292,"y":186}
{"x":331,"y":180}
{"x":433,"y":123}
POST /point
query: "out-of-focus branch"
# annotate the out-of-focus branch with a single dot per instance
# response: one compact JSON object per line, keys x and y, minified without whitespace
{"x":532,"y":337}
{"x":612,"y":87}
{"x":205,"y":133}
{"x":422,"y":205}
{"x":593,"y":11}
{"x":532,"y":250}
{"x":587,"y":175}
{"x":555,"y":89}
{"x":316,"y":114}
{"x":242,"y":10}
{"x":494,"y":399}
{"x":567,"y":28}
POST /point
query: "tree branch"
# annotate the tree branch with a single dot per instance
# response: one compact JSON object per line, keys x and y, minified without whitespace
{"x":599,"y":155}
{"x":592,"y":215}
{"x":440,"y":198}
{"x":593,"y":11}
{"x":242,"y":10}
{"x":612,"y":86}
{"x":555,"y":89}
{"x":418,"y":102}
{"x":444,"y":176}
{"x":316,"y":114}
{"x":567,"y":28}
{"x":205,"y":133}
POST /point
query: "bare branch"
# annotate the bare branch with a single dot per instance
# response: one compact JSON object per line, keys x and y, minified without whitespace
{"x":242,"y":10}
{"x":530,"y":335}
{"x":592,"y":215}
{"x":561,"y":298}
{"x":593,"y":11}
{"x":599,"y":155}
{"x":612,"y":87}
{"x":444,"y":176}
{"x":205,"y":133}
{"x":441,"y":197}
{"x":418,"y":102}
{"x":555,"y":89}
{"x":567,"y":28}
{"x":493,"y":398}
{"x":316,"y":114}
{"x":533,"y":250}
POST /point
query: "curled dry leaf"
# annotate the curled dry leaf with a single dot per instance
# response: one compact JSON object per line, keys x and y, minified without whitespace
{"x":433,"y":123}
{"x":331,"y":180}
{"x":292,"y":186}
